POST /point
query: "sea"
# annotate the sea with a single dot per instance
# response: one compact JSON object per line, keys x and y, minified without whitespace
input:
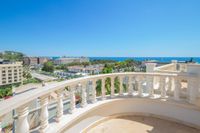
{"x":159,"y":59}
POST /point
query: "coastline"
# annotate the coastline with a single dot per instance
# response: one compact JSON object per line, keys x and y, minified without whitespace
{"x":159,"y":59}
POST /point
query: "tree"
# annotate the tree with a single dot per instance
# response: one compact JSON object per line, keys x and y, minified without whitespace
{"x":12,"y":56}
{"x":108,"y":86}
{"x":61,"y":67}
{"x":1,"y":55}
{"x":93,"y":62}
{"x":48,"y":66}
{"x":108,"y":68}
{"x":27,"y":75}
{"x":26,"y":72}
{"x":117,"y":85}
{"x":98,"y":87}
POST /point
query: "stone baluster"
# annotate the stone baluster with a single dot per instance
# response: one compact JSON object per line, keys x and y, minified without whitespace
{"x":112,"y":87}
{"x":130,"y":86}
{"x":44,"y":115}
{"x":59,"y":105}
{"x":193,"y":90}
{"x":163,"y":87}
{"x":177,"y":86}
{"x":169,"y":84}
{"x":87,"y":89}
{"x":140,"y":91}
{"x":72,"y":100}
{"x":1,"y":119}
{"x":1,"y":124}
{"x":94,"y":99}
{"x":103,"y":89}
{"x":121,"y":88}
{"x":150,"y":85}
{"x":22,"y":121}
{"x":83,"y":96}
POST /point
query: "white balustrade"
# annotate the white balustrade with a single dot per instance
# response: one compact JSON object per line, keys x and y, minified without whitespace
{"x":44,"y":114}
{"x":103,"y":89}
{"x":170,"y":82}
{"x":59,"y":105}
{"x":72,"y":100}
{"x":112,"y":87}
{"x":22,"y":121}
{"x":83,"y":96}
{"x":94,"y":99}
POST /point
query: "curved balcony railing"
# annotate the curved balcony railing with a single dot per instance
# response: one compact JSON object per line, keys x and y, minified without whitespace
{"x":158,"y":85}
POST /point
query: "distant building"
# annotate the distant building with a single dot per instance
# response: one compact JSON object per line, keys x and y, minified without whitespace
{"x":67,"y":60}
{"x":30,"y":61}
{"x":11,"y":73}
{"x":93,"y":69}
{"x":34,"y":61}
{"x":42,"y":60}
{"x":63,"y":74}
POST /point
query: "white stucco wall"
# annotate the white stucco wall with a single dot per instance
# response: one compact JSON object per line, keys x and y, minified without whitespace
{"x":178,"y":112}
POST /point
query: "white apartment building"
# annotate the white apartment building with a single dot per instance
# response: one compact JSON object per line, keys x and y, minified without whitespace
{"x":92,"y":69}
{"x":11,"y":73}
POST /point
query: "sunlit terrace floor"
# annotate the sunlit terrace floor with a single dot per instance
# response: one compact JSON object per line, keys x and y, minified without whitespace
{"x":139,"y":124}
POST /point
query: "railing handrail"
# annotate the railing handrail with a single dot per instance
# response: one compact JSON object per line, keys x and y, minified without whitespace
{"x":23,"y":99}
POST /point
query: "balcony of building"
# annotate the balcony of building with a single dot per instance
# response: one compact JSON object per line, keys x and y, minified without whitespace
{"x":87,"y":104}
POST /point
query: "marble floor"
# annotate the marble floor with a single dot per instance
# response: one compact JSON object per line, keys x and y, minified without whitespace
{"x":140,"y":124}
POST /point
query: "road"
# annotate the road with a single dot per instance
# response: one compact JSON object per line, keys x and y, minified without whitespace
{"x":42,"y":77}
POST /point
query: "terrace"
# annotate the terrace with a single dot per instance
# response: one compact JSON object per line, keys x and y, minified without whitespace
{"x":168,"y":95}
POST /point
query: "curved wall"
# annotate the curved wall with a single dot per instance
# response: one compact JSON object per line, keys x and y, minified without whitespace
{"x":185,"y":114}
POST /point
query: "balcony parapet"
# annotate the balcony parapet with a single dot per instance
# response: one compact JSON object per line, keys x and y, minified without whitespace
{"x":180,"y":87}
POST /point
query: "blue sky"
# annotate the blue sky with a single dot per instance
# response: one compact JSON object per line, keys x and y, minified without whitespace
{"x":101,"y":27}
